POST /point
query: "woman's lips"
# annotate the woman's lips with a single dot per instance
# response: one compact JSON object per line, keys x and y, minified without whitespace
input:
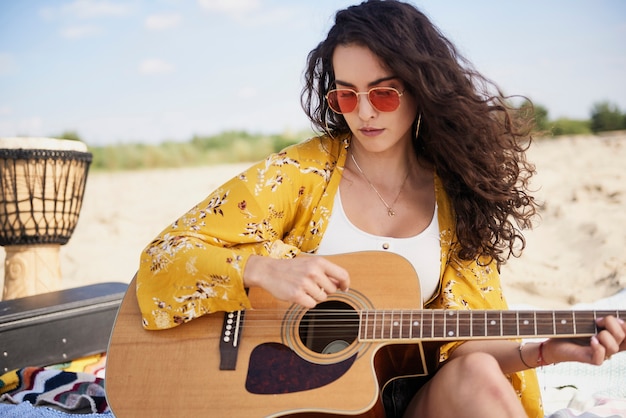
{"x":371,"y":131}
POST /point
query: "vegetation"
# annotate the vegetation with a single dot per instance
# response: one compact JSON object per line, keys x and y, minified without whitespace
{"x":227,"y":147}
{"x":239,"y":146}
{"x":605,"y":116}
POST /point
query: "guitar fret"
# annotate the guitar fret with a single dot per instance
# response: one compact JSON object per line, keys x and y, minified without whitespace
{"x":420,"y":325}
{"x":387,"y":325}
{"x":509,"y":323}
{"x":427,"y":324}
{"x":526,"y":324}
{"x":464,"y":319}
{"x":478,"y":323}
{"x":404,"y":329}
{"x":493,"y":326}
{"x":361,"y":322}
{"x":564,"y":323}
{"x":586,"y":322}
{"x":440,"y":324}
{"x":375,"y":319}
{"x":545,"y":323}
{"x":438,"y":319}
{"x":363,"y":325}
{"x":449,"y":329}
{"x":409,"y":325}
{"x":396,"y":325}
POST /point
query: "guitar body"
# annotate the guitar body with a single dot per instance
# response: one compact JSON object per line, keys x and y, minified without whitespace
{"x":289,"y":361}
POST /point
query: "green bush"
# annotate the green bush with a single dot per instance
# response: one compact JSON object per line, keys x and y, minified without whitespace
{"x":606,"y":116}
{"x":565,"y":126}
{"x":226,"y":147}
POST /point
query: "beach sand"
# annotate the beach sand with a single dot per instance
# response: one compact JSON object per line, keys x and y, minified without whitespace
{"x":576,"y":253}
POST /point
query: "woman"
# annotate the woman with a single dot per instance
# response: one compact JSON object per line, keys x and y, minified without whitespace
{"x":421,"y":156}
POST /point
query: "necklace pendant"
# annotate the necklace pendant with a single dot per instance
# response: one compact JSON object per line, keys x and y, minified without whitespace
{"x":391,"y":212}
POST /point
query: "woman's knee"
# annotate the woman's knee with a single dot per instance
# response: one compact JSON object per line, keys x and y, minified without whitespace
{"x":478,"y":365}
{"x":481,"y":370}
{"x":477,"y":382}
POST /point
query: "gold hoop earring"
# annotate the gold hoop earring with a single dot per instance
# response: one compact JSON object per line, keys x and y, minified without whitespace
{"x":419,"y":123}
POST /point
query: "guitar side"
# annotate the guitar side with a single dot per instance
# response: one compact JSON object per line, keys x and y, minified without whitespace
{"x":176,"y":372}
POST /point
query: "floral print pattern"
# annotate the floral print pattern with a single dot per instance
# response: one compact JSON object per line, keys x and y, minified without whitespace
{"x":280,"y":208}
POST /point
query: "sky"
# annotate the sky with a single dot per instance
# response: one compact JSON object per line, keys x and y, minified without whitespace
{"x":148,"y":71}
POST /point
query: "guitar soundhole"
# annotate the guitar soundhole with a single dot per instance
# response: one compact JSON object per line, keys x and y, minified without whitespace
{"x":330,"y":327}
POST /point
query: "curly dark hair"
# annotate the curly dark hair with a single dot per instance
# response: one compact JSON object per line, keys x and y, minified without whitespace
{"x":469,"y":132}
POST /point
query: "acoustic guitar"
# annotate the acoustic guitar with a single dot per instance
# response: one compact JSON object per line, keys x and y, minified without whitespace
{"x":279,"y":359}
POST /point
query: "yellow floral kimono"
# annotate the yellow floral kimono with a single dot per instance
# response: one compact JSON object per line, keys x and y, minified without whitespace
{"x":279,"y":208}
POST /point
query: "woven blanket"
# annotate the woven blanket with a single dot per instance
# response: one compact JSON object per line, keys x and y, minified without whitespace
{"x":26,"y":410}
{"x":73,"y":387}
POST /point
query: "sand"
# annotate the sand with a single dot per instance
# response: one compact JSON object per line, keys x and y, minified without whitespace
{"x":576,"y":253}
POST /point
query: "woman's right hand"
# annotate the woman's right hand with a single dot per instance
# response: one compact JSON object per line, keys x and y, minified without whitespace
{"x":305,"y":280}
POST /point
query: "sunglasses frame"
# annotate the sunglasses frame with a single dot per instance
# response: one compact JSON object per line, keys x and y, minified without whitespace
{"x":358,"y":93}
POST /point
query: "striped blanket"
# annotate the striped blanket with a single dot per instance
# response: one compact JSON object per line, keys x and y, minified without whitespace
{"x":76,"y":387}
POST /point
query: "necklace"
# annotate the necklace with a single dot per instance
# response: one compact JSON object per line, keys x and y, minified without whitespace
{"x":390,"y":211}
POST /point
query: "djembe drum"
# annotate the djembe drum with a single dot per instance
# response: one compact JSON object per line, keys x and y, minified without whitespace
{"x":42,"y":183}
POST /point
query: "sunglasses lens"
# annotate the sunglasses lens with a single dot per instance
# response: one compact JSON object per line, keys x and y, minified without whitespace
{"x":384,"y":99}
{"x":342,"y":101}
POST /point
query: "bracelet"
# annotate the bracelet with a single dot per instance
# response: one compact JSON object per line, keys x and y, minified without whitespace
{"x":521,"y":357}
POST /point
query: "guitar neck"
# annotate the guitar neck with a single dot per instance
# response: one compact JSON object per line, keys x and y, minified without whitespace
{"x":455,"y":325}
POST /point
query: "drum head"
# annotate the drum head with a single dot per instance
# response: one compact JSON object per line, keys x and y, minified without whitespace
{"x":42,"y":143}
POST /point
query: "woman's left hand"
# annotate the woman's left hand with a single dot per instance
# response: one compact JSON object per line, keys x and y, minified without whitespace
{"x":610,"y":340}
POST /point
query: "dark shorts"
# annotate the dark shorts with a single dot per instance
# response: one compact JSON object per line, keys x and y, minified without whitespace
{"x":398,"y":394}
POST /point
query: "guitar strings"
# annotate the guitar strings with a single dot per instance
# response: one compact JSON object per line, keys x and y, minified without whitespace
{"x":383,"y":322}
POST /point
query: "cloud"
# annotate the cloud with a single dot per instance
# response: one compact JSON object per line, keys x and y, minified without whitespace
{"x":87,"y":9}
{"x":230,"y":7}
{"x":79,"y":32}
{"x":249,"y":13}
{"x":164,"y":21}
{"x":7,"y":64}
{"x":155,"y":66}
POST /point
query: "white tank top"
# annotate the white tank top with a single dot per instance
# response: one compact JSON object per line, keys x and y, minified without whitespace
{"x":422,"y":250}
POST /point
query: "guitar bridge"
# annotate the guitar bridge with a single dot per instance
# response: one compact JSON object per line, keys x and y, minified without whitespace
{"x":229,"y":341}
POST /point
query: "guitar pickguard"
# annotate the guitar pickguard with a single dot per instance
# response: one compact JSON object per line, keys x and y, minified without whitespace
{"x":277,"y":369}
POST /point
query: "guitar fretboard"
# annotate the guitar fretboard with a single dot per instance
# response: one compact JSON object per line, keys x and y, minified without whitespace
{"x":442,"y":325}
